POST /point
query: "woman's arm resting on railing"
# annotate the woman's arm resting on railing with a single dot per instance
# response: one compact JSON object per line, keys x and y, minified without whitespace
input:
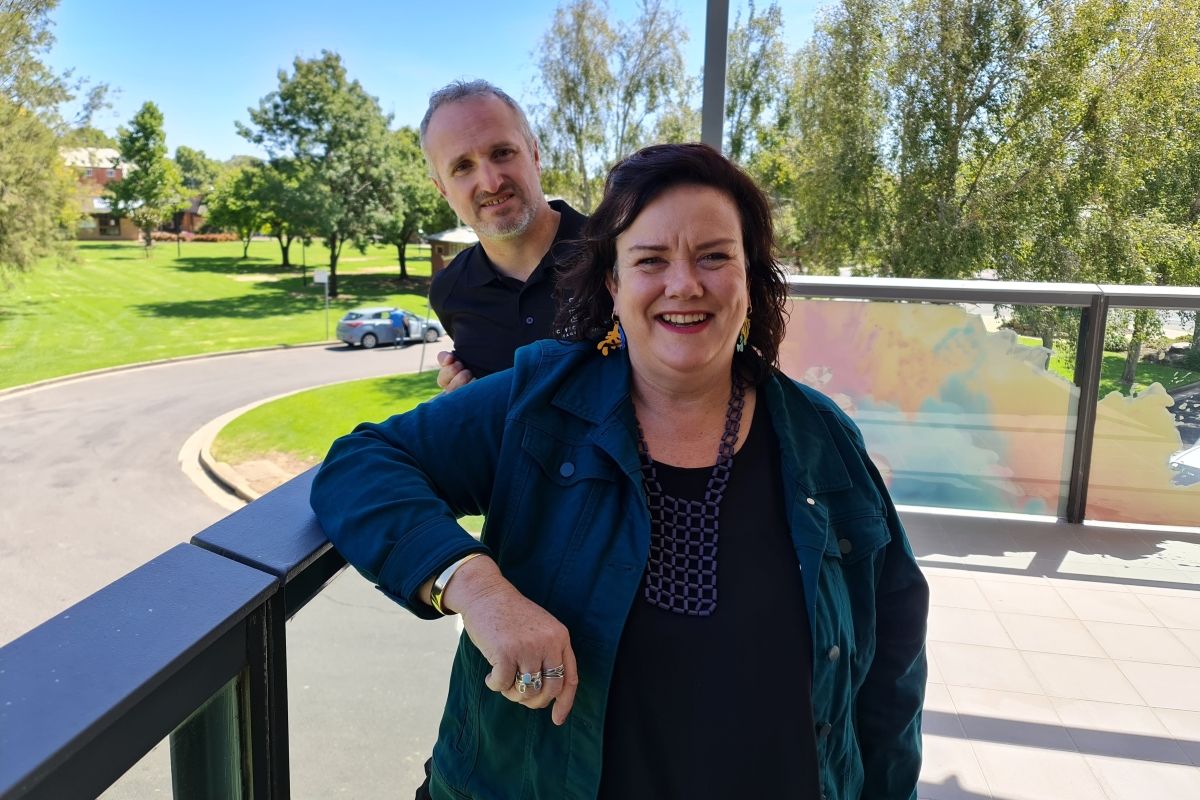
{"x":389,"y":495}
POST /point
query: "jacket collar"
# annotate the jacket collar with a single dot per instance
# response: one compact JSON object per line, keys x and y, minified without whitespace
{"x":811,"y":458}
{"x":600,"y":394}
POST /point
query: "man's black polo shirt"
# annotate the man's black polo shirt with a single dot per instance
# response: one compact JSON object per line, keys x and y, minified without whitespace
{"x":490,"y":315}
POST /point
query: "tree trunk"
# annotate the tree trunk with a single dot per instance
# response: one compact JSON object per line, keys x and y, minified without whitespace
{"x":403,"y":266}
{"x":334,"y":247}
{"x":283,"y":249}
{"x":1131,"y":361}
{"x":246,"y":247}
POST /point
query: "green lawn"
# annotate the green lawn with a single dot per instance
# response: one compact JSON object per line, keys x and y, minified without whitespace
{"x":302,"y":426}
{"x":115,"y":306}
{"x":1113,"y":367}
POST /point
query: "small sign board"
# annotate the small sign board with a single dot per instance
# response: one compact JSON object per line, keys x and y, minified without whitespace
{"x":320,"y":276}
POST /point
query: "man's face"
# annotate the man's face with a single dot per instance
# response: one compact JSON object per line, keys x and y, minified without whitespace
{"x":484,"y":167}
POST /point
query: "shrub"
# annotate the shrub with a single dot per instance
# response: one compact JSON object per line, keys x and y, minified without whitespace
{"x":187,"y":236}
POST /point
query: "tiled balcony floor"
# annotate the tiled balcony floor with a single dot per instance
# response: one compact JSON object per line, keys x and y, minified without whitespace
{"x":1064,"y":660}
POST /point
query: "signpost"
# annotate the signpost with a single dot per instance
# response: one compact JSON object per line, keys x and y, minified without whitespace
{"x":321,"y":276}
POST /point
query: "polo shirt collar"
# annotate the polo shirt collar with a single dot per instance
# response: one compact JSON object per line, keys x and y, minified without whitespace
{"x":479,"y":270}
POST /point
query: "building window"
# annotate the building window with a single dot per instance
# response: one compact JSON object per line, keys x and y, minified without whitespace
{"x":112,"y":173}
{"x":87,"y":173}
{"x":109,"y":225}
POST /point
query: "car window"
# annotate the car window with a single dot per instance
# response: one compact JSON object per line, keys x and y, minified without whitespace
{"x":352,"y":315}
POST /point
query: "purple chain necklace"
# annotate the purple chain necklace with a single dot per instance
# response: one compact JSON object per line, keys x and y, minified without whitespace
{"x":681,"y":575}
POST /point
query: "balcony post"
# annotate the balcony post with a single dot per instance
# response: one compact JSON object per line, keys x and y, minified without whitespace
{"x":1089,"y":356}
{"x":716,"y":43}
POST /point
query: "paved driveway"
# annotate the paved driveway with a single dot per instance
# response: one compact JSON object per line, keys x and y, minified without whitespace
{"x":92,"y":488}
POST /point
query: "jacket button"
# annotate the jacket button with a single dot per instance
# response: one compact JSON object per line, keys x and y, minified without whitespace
{"x":567,"y":469}
{"x":834,"y":652}
{"x":845,"y":546}
{"x":810,"y":501}
{"x":824,"y":730}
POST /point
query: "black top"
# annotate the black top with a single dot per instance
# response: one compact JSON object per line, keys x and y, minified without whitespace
{"x":490,"y":315}
{"x":721,"y":706}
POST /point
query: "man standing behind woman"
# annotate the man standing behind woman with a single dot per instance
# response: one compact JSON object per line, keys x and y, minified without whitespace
{"x":497,"y":295}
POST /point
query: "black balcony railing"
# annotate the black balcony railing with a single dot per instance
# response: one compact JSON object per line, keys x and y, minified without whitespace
{"x":189,"y":645}
{"x":192,"y":644}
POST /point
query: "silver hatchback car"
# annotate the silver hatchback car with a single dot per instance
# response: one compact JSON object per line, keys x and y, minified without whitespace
{"x":371,"y":326}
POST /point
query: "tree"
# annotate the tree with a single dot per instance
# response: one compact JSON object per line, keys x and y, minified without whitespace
{"x":151,"y":190}
{"x":36,"y":189}
{"x":284,"y":209}
{"x":87,"y":136}
{"x":421,"y":206}
{"x":822,"y":159}
{"x":335,"y":143}
{"x":605,"y":86}
{"x":754,"y":78}
{"x":198,"y":171}
{"x":235,"y":203}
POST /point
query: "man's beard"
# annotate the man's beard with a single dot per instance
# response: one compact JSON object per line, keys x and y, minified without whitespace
{"x":511,"y":226}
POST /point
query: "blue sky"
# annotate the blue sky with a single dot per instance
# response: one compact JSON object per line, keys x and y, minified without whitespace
{"x":205,"y":66}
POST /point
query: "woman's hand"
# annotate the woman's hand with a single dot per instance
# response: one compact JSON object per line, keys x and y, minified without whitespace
{"x":515,"y":635}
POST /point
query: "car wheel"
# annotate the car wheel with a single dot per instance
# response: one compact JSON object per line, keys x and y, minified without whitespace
{"x":369,"y":340}
{"x":431,"y":335}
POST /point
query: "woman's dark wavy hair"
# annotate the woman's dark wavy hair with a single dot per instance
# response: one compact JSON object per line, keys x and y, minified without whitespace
{"x":585,"y":306}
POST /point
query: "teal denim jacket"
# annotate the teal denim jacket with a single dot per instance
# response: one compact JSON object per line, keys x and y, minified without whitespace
{"x":547,"y":451}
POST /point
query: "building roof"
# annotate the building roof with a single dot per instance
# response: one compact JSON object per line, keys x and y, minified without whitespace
{"x":459,"y":235}
{"x":102,"y":157}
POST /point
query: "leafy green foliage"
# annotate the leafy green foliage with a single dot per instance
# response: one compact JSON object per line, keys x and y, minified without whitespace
{"x":36,"y":190}
{"x":330,"y":141}
{"x":421,"y":206}
{"x":605,"y":85}
{"x":151,"y":188}
{"x":236,"y":203}
{"x":198,"y":172}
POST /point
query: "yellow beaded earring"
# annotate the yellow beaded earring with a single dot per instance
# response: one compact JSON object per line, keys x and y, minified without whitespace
{"x":613,"y":340}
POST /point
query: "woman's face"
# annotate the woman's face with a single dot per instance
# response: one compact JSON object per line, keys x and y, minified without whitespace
{"x":680,"y":288}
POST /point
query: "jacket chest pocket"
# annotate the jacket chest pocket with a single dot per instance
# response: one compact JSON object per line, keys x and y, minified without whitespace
{"x":559,"y":505}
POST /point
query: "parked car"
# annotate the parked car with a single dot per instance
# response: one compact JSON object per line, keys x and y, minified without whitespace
{"x":1186,"y":465}
{"x":368,"y":327}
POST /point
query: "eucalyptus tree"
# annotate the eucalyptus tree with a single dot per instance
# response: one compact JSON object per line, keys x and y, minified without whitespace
{"x":605,"y":86}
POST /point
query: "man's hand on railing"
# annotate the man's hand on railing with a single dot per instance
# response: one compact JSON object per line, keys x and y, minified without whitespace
{"x":516,"y":636}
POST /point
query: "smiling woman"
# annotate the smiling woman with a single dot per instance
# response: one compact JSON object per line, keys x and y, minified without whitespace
{"x":616,"y":615}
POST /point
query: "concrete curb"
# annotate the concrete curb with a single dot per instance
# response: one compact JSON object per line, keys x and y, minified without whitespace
{"x":220,"y":481}
{"x":94,"y":373}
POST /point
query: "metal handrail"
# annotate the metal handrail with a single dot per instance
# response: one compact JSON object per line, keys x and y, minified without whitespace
{"x":1094,"y":301}
{"x":1076,"y":295}
{"x":85,"y":695}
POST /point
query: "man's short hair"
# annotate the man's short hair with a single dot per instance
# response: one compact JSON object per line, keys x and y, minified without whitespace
{"x":458,"y":91}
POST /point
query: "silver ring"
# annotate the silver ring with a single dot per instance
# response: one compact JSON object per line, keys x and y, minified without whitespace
{"x":525,"y":680}
{"x":555,"y":672}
